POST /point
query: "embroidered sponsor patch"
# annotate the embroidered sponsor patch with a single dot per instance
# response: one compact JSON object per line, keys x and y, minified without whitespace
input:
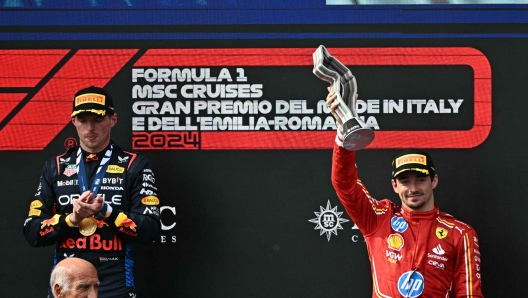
{"x":411,"y":284}
{"x":399,"y":224}
{"x":441,"y":233}
{"x":115,"y":169}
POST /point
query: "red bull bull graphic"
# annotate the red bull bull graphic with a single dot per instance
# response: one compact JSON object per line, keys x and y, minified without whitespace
{"x":50,"y":222}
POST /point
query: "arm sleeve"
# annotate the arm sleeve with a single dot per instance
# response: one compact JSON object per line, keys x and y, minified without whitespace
{"x":44,"y":226}
{"x":141,"y":221}
{"x":359,"y":204}
{"x":467,"y":279}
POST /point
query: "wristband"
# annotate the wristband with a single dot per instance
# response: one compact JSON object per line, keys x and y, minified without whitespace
{"x":68,"y":222}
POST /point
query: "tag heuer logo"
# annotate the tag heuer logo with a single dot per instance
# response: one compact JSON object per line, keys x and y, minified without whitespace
{"x":70,"y":170}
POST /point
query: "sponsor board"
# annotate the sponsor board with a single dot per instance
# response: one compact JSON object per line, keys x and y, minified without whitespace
{"x":210,"y":99}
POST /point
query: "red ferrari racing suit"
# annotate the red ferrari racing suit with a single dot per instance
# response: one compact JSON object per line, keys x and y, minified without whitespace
{"x":412,"y":254}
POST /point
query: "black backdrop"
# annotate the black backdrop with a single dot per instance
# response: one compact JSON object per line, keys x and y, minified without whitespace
{"x":242,"y":216}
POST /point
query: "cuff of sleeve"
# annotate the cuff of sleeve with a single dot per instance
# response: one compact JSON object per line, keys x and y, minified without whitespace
{"x":107,"y":211}
{"x":68,"y":222}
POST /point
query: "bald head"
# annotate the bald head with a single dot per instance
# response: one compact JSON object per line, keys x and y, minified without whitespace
{"x":73,"y":278}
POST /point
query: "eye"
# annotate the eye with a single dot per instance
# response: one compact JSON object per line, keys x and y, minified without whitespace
{"x":83,"y":286}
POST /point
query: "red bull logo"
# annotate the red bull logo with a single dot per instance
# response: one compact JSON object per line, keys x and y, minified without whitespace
{"x":93,"y":242}
{"x":129,"y":223}
{"x":101,"y":223}
{"x":50,"y":222}
{"x":46,"y":231}
{"x":126,"y":232}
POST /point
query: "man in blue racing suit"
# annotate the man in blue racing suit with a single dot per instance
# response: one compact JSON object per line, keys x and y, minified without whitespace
{"x":96,"y":200}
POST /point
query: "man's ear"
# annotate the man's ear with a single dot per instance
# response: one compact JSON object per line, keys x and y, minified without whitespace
{"x":394,"y":185}
{"x":57,"y":290}
{"x":435,"y":181}
{"x":113,"y":119}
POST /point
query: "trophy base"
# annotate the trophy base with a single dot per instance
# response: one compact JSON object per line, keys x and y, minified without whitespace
{"x":356,"y":134}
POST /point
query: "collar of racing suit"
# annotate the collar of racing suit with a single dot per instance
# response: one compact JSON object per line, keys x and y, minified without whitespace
{"x":410,"y":215}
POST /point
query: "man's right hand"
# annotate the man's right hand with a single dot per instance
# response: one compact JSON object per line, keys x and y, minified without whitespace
{"x":332,"y":103}
{"x":85,"y":206}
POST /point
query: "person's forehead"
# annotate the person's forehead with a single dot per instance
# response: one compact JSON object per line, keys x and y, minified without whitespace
{"x":86,"y":279}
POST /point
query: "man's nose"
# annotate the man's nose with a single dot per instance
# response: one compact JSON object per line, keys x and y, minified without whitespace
{"x":90,"y":125}
{"x":412,"y":187}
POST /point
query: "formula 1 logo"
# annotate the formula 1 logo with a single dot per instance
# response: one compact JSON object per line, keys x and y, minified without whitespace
{"x":44,"y":82}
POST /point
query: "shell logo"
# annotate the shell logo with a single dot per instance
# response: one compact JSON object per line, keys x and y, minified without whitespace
{"x":395,"y":241}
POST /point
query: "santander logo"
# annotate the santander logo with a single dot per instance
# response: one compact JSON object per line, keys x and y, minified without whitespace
{"x":438,"y":250}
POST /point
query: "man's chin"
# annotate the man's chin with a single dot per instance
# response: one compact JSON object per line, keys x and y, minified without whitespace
{"x":415,"y":205}
{"x":91,"y":145}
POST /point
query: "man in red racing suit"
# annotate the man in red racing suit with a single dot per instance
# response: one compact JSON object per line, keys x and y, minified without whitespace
{"x":415,"y":250}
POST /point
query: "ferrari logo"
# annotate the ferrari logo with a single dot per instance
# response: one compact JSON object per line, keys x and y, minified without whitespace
{"x":441,"y":233}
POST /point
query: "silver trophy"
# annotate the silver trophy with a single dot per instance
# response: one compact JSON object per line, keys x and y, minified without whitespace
{"x":356,"y":133}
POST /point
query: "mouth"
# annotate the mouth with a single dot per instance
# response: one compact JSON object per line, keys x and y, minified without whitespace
{"x":414,"y":197}
{"x":91,"y":137}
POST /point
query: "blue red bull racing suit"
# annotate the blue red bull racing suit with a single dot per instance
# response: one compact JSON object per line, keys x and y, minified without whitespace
{"x":412,"y":254}
{"x":132,"y":214}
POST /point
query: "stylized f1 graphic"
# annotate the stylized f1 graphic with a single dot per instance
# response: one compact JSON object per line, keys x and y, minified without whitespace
{"x":36,"y":89}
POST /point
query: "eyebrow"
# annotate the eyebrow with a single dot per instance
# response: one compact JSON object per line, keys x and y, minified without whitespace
{"x":84,"y":285}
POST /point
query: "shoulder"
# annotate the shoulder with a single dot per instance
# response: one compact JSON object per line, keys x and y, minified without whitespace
{"x":53,"y":164}
{"x":459,"y":227}
{"x":131,"y":159}
{"x":384,"y":206}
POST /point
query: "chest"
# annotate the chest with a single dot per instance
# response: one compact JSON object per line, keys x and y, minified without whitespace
{"x":110,"y":184}
{"x":427,"y":244}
